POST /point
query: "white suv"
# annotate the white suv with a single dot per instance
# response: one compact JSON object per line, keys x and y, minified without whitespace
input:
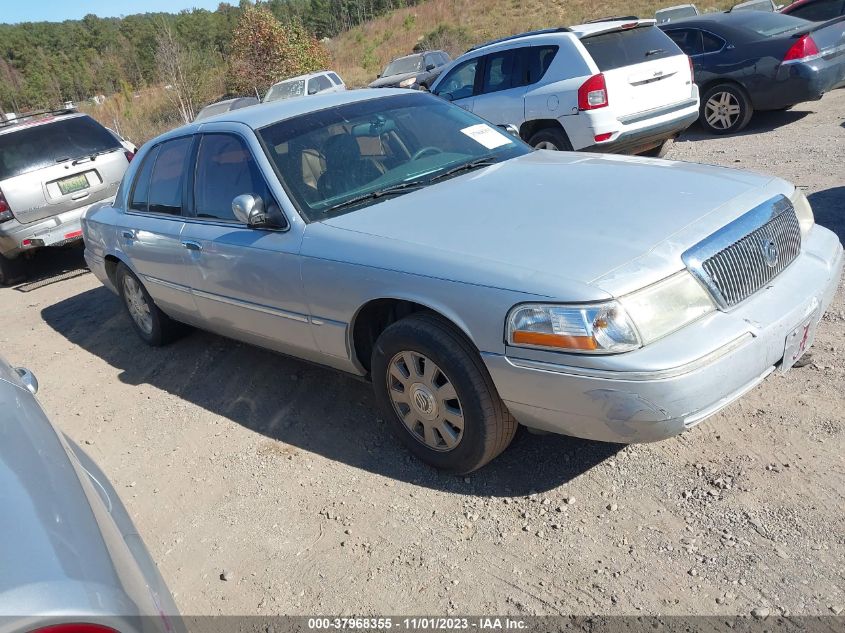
{"x":618,"y":85}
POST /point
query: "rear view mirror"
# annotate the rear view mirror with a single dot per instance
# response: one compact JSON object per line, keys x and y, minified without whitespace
{"x":28,"y":379}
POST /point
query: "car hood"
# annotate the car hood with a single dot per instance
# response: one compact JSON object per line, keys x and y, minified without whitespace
{"x":394,"y":80}
{"x":611,"y":222}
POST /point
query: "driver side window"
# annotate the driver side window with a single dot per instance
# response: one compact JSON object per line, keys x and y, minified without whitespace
{"x":225,"y":170}
{"x":460,"y":82}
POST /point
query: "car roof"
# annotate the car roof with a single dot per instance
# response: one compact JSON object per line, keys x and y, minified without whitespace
{"x":24,"y":121}
{"x":263,"y":114}
{"x":738,"y":20}
{"x":305,"y":76}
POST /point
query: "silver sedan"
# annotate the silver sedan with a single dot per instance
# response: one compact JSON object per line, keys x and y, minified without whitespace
{"x":476,"y":282}
{"x":71,"y":557}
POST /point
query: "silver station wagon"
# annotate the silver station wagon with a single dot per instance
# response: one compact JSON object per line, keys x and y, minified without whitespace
{"x":477,"y":283}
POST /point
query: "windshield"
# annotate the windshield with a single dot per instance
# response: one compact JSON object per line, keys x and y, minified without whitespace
{"x":403,"y":65}
{"x":330,"y":158}
{"x":286,"y":90}
{"x":26,"y":149}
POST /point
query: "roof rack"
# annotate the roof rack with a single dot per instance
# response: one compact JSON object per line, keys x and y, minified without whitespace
{"x":19,"y":118}
{"x":560,"y":29}
{"x":615,"y":18}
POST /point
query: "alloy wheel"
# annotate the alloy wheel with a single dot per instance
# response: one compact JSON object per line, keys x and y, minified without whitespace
{"x":137,"y":304}
{"x":425,"y":400}
{"x":722,"y":110}
{"x":546,"y":145}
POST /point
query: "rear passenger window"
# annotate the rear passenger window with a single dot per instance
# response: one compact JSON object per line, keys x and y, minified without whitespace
{"x":688,"y":40}
{"x":712,"y":43}
{"x":536,"y":61}
{"x":335,"y":79}
{"x":625,"y":48}
{"x":140,"y":192}
{"x":499,"y":71}
{"x":225,"y":170}
{"x":318,"y":84}
{"x":168,"y":176}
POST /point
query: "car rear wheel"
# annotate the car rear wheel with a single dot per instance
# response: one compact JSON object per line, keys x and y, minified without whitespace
{"x":550,"y":138}
{"x":11,"y":271}
{"x":725,"y":109}
{"x":153,"y":326}
{"x":434,"y":390}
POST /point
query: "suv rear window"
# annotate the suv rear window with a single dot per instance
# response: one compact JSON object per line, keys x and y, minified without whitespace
{"x":633,"y":46}
{"x":27,"y":148}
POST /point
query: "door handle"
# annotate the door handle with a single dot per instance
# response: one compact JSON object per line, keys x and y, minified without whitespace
{"x":129,"y":235}
{"x":192,"y":246}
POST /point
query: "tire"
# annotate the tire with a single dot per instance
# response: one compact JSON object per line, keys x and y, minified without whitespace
{"x":153,"y":326}
{"x":475,"y":422}
{"x":661,"y":150}
{"x":734,"y":105}
{"x":11,"y":271}
{"x":552,"y":138}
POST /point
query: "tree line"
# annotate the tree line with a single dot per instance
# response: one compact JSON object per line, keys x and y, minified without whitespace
{"x":44,"y":64}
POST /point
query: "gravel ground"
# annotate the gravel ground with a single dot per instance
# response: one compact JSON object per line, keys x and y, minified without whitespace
{"x":280,"y":477}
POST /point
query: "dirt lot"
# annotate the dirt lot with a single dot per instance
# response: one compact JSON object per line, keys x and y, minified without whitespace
{"x":281,"y":474}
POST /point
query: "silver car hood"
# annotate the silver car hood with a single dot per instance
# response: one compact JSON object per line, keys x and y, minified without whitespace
{"x":613,"y":223}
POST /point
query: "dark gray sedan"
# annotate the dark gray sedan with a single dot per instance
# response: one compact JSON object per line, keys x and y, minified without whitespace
{"x":69,"y":554}
{"x":752,"y":60}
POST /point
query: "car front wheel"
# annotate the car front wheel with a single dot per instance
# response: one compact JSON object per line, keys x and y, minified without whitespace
{"x":725,"y":109}
{"x":436,"y":394}
{"x":153,"y":326}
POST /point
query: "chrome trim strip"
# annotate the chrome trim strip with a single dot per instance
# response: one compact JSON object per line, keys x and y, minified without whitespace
{"x":293,"y":316}
{"x":811,"y":58}
{"x":695,"y":257}
{"x":167,"y":284}
{"x":606,"y":374}
{"x":648,"y":114}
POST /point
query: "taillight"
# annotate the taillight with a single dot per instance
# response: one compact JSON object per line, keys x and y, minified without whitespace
{"x":75,"y":627}
{"x":129,"y":156}
{"x":5,"y":211}
{"x":805,"y":47}
{"x":593,"y":93}
{"x":691,"y":69}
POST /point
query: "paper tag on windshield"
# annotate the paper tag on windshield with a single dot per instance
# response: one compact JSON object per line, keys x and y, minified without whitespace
{"x":486,"y":135}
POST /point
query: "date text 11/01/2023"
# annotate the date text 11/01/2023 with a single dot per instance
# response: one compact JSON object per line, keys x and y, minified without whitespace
{"x":416,"y":623}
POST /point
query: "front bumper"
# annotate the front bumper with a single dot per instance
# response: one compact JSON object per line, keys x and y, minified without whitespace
{"x":57,"y":230}
{"x":734,"y":351}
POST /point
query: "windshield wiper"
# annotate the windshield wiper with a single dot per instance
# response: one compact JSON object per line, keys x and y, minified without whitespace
{"x":484,"y":161}
{"x":405,"y":187}
{"x":92,"y":156}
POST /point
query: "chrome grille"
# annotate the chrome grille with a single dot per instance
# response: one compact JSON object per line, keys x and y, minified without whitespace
{"x":747,"y":254}
{"x":742,"y":268}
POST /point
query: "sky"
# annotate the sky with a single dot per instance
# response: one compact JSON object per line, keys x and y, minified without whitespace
{"x":12,"y":11}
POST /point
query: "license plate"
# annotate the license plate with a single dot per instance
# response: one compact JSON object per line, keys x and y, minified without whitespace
{"x":799,"y":341}
{"x":73,"y":184}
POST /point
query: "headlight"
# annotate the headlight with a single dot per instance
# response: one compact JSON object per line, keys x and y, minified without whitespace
{"x":803,"y":210}
{"x":615,"y":326}
{"x":601,"y":328}
{"x":668,"y":305}
{"x":407,"y":83}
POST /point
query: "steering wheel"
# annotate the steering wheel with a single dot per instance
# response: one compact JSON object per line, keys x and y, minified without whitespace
{"x":425,"y":151}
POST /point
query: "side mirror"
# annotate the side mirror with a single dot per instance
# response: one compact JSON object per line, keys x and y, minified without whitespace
{"x":430,"y":67}
{"x":28,"y":379}
{"x":446,"y":95}
{"x":250,"y":210}
{"x":511,"y":129}
{"x":378,"y":76}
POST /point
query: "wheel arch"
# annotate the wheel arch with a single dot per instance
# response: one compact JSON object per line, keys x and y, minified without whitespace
{"x":730,"y":81}
{"x":375,"y":315}
{"x":530,"y":128}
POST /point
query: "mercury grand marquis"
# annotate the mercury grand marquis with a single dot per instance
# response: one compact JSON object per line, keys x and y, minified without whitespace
{"x":477,"y":283}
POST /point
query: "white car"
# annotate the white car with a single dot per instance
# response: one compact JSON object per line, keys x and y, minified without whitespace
{"x":325,"y":81}
{"x":606,"y":86}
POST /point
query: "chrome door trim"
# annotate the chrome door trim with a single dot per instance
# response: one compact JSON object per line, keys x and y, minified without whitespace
{"x":293,"y":316}
{"x":167,"y":284}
